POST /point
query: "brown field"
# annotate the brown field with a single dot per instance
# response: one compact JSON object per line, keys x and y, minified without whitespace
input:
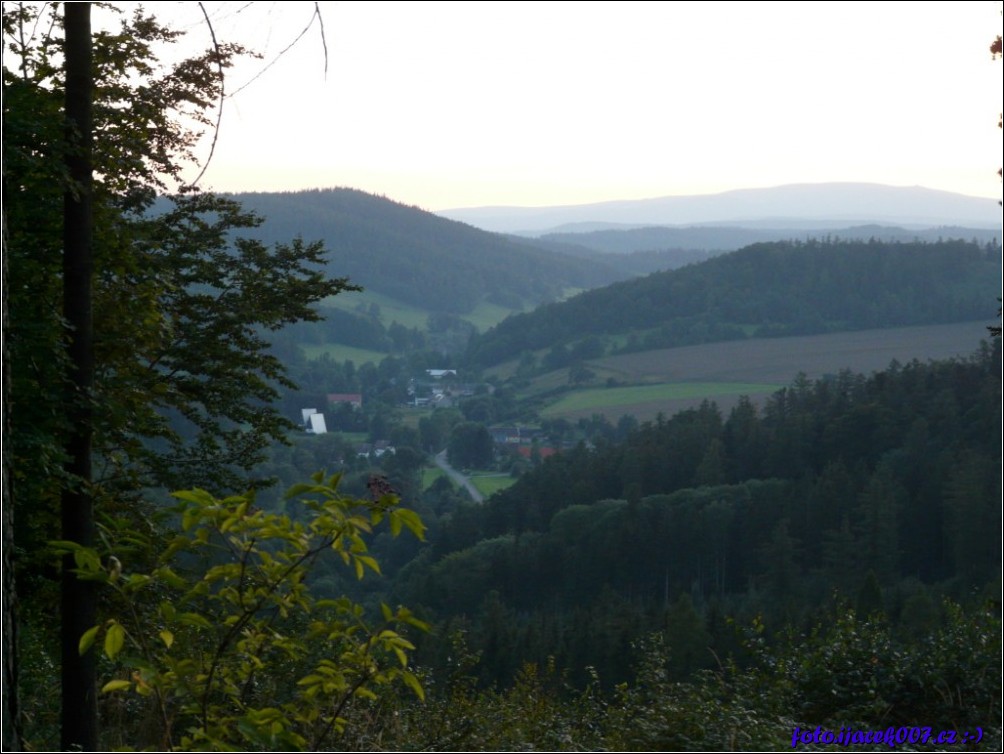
{"x":781,"y":359}
{"x":766,"y":360}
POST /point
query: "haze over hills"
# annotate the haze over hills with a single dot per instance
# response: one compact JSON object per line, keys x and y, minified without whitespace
{"x":807,"y":206}
{"x":720,"y":238}
{"x":435,"y":265}
{"x":640,"y":251}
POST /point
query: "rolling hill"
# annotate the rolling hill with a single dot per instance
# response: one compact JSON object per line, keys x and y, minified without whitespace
{"x":763,"y":290}
{"x":415,"y":265}
{"x":719,"y":238}
{"x":418,"y":258}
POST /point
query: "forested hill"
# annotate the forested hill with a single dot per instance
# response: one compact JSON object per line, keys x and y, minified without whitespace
{"x":770,"y":289}
{"x":420,"y":258}
{"x":870,"y":489}
{"x":719,"y":238}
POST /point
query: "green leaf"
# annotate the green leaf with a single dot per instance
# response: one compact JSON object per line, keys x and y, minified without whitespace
{"x":300,"y":489}
{"x":413,"y":683}
{"x":401,"y":656}
{"x":114,"y":640}
{"x":408,"y":518}
{"x":177,"y":544}
{"x":88,"y":638}
{"x":406,"y":616}
{"x":194,"y":619}
{"x":200,"y":497}
{"x":167,"y":637}
{"x":88,"y":561}
{"x":115,"y":686}
{"x":63,"y":546}
{"x":137,"y":581}
{"x":169,"y":577}
{"x":369,"y":562}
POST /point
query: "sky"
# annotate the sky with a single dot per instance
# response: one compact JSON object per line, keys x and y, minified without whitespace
{"x":461,"y":104}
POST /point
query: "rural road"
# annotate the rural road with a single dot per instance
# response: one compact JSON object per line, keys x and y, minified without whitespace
{"x":457,"y":477}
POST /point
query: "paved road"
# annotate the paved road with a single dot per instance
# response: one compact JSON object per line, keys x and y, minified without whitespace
{"x":457,"y":477}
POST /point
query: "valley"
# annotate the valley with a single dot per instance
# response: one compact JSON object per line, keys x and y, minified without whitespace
{"x":310,"y":468}
{"x":611,"y":437}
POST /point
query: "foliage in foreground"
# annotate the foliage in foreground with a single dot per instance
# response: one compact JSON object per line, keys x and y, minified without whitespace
{"x":847,"y":672}
{"x":221,"y":644}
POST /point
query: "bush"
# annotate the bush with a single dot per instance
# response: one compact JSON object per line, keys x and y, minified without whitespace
{"x":221,"y":645}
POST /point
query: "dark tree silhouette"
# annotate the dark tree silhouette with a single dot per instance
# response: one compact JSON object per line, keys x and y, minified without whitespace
{"x":995,"y":52}
{"x":78,"y":604}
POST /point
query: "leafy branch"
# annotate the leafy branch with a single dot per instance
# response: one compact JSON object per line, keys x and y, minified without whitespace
{"x":253,"y":608}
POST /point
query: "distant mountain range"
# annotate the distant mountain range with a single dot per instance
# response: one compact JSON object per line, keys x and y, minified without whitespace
{"x":639,"y":251}
{"x":809,"y":206}
{"x":720,"y":238}
{"x":438,"y":265}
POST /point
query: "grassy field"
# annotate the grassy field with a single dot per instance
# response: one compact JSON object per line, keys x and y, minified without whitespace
{"x":723,"y":372}
{"x":489,"y":485}
{"x":430,"y":474}
{"x":779,"y":360}
{"x":487,"y":315}
{"x":673,"y":379}
{"x":411,"y":415}
{"x":339,"y":352}
{"x":603,"y":400}
{"x":391,"y":310}
{"x":356,"y":437}
{"x":484,"y":316}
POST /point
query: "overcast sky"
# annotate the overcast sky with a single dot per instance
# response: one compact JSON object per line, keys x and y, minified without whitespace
{"x":458,"y":104}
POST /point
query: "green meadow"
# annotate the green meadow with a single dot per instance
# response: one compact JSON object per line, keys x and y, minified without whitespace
{"x":599,"y":400}
{"x":490,"y":484}
{"x":339,"y":352}
{"x":484,"y":315}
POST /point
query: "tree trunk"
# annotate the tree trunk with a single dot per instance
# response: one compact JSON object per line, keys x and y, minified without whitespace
{"x":79,"y":700}
{"x":11,"y":735}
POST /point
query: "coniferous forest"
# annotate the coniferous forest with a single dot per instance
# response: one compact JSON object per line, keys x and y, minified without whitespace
{"x":187,"y":568}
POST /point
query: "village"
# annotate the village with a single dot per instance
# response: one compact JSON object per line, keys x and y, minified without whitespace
{"x":438,"y":390}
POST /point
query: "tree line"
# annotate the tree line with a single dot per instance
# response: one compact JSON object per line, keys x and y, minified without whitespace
{"x":764,"y":290}
{"x":882,"y":489}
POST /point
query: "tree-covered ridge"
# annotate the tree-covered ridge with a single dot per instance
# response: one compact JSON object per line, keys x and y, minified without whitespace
{"x":719,"y":238}
{"x":775,"y":289}
{"x":883,"y":490}
{"x":419,"y":258}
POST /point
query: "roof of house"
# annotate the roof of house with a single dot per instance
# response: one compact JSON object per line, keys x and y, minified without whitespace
{"x":345,"y":397}
{"x":526,"y":451}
